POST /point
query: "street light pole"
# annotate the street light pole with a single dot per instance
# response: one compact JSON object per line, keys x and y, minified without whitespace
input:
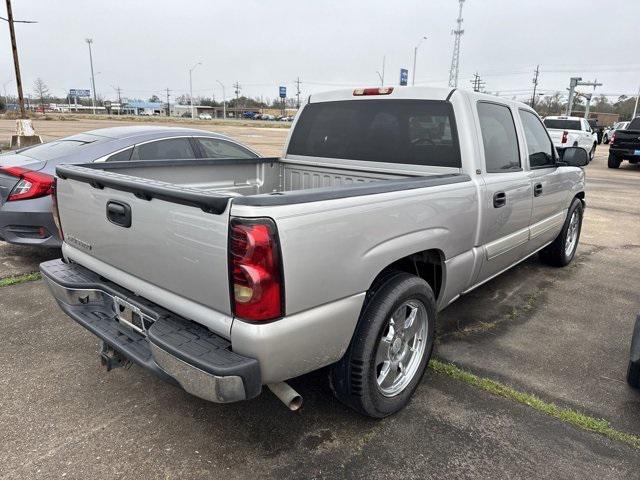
{"x":635,"y":109}
{"x":93,"y":80}
{"x":224,"y":100}
{"x":415,"y":56}
{"x":191,"y":87}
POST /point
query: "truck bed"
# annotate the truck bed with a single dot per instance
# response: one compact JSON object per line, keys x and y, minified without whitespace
{"x":211,"y":183}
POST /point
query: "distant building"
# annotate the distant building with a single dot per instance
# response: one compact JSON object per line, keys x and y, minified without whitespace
{"x":139,"y":107}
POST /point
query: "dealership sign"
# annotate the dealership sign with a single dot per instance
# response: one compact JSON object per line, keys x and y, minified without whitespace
{"x":76,"y":92}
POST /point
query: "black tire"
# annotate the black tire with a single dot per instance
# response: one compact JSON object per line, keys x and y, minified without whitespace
{"x":633,"y":374}
{"x":354,"y":378}
{"x":556,"y":253}
{"x":605,"y":139}
{"x":592,"y":153}
{"x":613,"y":161}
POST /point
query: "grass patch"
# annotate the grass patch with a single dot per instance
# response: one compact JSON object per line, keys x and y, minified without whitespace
{"x":573,"y":417}
{"x":29,"y":277}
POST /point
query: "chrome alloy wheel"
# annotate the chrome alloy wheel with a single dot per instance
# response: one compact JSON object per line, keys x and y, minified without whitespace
{"x":401,"y":347}
{"x":572,"y":234}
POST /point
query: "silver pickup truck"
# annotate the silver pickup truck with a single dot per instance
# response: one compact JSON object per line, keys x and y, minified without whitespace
{"x":226,"y":275}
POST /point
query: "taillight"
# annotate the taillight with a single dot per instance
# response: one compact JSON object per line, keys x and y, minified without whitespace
{"x":257,"y":290}
{"x":55,"y":210}
{"x":565,"y":134}
{"x":30,"y":184}
{"x":613,"y":138}
{"x":358,"y":92}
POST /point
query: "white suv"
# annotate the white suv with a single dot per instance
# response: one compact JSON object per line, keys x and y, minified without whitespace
{"x":572,"y":132}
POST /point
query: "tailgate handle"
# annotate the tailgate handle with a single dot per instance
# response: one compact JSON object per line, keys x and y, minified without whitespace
{"x":119,"y":213}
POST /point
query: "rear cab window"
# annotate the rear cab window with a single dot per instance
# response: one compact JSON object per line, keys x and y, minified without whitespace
{"x":416,"y":132}
{"x":499,"y":138}
{"x":560,"y":124}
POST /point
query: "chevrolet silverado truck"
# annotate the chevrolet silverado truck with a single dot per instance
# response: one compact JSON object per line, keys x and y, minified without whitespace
{"x":625,"y":145}
{"x":227,"y":275}
{"x":572,"y":132}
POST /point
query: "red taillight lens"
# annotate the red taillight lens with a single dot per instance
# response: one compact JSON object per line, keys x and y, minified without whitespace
{"x":565,"y":134}
{"x":358,"y":92}
{"x":30,"y":184}
{"x":257,"y":292}
{"x":613,"y":138}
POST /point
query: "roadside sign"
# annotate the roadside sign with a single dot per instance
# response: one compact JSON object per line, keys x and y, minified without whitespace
{"x":77,"y":92}
{"x":404,"y":77}
{"x":283,"y":92}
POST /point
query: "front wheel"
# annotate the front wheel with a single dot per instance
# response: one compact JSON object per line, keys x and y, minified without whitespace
{"x":562,"y":250}
{"x":390,"y":349}
{"x":605,"y":139}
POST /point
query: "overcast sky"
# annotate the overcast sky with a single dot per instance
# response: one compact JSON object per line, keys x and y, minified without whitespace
{"x":145,"y":46}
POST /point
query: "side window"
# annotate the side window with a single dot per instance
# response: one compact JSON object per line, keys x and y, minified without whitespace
{"x":538,"y":143}
{"x":169,"y":149}
{"x":123,"y":156}
{"x":499,"y":138}
{"x":214,"y":148}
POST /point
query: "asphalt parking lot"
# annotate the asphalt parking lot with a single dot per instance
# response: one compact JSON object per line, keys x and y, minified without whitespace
{"x":560,"y":334}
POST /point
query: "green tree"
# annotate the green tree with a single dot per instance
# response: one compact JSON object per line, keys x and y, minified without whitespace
{"x":154,"y":99}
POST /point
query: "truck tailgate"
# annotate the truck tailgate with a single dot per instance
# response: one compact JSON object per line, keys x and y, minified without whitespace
{"x":175,"y":247}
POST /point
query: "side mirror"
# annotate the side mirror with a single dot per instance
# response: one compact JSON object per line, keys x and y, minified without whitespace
{"x":575,"y":157}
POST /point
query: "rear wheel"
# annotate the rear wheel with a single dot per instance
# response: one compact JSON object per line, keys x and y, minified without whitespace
{"x":605,"y":139}
{"x":390,"y":349}
{"x":613,"y":161}
{"x":563,"y":249}
{"x":633,"y":374}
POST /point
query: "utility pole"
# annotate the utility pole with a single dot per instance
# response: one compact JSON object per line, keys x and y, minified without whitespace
{"x":455,"y":58}
{"x":93,"y":79}
{"x":477,"y":83}
{"x":237,"y":87}
{"x":635,"y":109}
{"x":415,"y":56}
{"x":535,"y":85}
{"x":168,"y":103}
{"x":14,"y":49}
{"x":297,"y":93}
{"x":224,"y":100}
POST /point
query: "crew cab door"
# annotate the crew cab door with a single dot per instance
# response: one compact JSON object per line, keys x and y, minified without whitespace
{"x":549,"y":189}
{"x":506,"y":206}
{"x":586,"y":136}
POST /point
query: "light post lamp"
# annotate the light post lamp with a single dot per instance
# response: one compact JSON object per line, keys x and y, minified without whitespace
{"x":93,"y":80}
{"x":224,"y":100}
{"x":191,"y":87}
{"x":415,"y":56}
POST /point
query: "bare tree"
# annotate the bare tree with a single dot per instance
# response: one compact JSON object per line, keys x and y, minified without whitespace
{"x":41,"y":90}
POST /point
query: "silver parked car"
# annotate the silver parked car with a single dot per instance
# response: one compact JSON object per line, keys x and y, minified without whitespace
{"x":27,"y":175}
{"x":608,"y":132}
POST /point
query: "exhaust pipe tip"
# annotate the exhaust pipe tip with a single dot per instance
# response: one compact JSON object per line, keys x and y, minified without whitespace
{"x":287,"y":395}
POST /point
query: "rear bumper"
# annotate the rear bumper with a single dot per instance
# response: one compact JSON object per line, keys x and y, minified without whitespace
{"x":29,"y":222}
{"x":177,"y":350}
{"x":623,"y":152}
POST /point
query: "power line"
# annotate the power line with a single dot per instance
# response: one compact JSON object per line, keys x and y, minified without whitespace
{"x":455,"y":58}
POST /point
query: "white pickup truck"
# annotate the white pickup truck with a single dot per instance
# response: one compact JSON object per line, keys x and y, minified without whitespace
{"x":225,"y":275}
{"x":572,"y":132}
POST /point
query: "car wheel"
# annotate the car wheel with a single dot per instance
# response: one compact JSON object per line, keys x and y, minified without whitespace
{"x":592,"y":153}
{"x":633,"y":374}
{"x":605,"y":139}
{"x":390,"y":348}
{"x":562,"y":250}
{"x":613,"y":161}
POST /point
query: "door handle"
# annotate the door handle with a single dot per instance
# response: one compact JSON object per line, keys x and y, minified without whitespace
{"x":537,"y":190}
{"x":119,"y":213}
{"x":499,"y":199}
